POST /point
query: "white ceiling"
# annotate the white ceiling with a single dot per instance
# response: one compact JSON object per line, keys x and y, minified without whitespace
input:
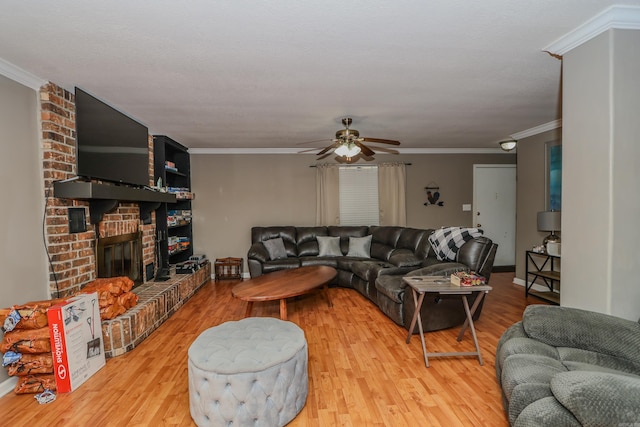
{"x":240,"y":74}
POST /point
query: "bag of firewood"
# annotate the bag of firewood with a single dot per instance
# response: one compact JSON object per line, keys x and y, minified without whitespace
{"x":114,"y":310}
{"x":35,"y":384}
{"x":113,"y":285}
{"x":32,"y":315}
{"x":128,"y":300}
{"x":30,"y":364}
{"x":26,"y":341}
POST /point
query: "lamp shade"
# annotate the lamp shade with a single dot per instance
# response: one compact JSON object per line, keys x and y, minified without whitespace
{"x":549,"y":220}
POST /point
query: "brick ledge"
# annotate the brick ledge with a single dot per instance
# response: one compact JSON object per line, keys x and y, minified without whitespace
{"x":157,"y":302}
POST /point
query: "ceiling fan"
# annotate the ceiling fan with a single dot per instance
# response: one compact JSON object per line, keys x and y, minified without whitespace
{"x":348,"y":142}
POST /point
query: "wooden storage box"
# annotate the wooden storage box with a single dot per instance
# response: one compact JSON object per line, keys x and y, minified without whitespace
{"x":228,"y":268}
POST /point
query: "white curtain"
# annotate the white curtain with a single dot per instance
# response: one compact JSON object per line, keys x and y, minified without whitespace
{"x":392,"y":178}
{"x":327,"y":194}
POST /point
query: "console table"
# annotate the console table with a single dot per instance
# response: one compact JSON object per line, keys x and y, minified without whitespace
{"x":543,"y":266}
{"x":421,"y":285}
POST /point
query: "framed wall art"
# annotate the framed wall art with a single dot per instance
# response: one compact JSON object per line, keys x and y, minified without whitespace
{"x":553,"y":175}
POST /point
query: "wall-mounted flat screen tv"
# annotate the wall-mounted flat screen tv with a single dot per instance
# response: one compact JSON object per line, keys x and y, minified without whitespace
{"x":111,"y":146}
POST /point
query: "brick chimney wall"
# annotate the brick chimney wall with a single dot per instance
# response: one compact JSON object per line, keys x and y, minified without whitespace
{"x":72,"y":255}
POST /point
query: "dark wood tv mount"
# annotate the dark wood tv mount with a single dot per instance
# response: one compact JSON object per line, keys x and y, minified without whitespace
{"x":104,"y":197}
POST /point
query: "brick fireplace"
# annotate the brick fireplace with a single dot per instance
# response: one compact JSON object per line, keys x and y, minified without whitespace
{"x":74,"y":256}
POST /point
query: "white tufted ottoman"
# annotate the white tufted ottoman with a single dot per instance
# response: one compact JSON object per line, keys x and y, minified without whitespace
{"x":252,"y":372}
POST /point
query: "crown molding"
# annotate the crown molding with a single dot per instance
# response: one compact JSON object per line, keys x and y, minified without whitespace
{"x":615,"y":17}
{"x":298,"y":151}
{"x":537,"y":130}
{"x":21,"y":76}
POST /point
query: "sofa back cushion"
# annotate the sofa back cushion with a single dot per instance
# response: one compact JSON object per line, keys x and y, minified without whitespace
{"x":383,"y":241}
{"x":344,"y":232}
{"x":288,"y":235}
{"x":306,"y":240}
{"x":582,"y":329}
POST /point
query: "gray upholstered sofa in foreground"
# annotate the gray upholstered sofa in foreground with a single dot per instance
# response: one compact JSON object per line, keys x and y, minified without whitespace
{"x":567,"y":367}
{"x":377,"y":274}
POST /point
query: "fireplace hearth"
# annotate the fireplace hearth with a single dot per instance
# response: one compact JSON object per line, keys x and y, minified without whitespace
{"x":120,"y":256}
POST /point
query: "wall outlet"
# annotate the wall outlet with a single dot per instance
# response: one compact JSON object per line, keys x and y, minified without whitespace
{"x":466,"y":207}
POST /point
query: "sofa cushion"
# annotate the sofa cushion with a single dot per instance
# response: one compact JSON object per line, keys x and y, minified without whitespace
{"x":587,"y":330}
{"x":280,"y":264}
{"x":287,"y":233}
{"x":344,"y":232}
{"x":328,"y":246}
{"x":384,"y":241}
{"x":276,"y":249}
{"x":599,"y":399}
{"x":404,"y":258}
{"x":368,"y":270}
{"x":584,"y":360}
{"x":393,"y":287}
{"x":360,"y":247}
{"x":447,"y":241}
{"x":306,"y":239}
{"x":528,"y":368}
{"x":330,"y":261}
{"x":546,"y":412}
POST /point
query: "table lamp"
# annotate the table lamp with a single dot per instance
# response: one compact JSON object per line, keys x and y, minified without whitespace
{"x":550,"y":221}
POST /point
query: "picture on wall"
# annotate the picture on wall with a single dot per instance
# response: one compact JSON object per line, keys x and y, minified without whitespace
{"x":554,"y":175}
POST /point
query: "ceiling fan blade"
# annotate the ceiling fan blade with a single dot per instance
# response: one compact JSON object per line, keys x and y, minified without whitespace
{"x":325,"y":140}
{"x":365,"y":150}
{"x":329,"y":148}
{"x":382,"y":141}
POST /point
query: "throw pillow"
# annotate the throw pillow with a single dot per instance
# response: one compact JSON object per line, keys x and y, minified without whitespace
{"x":447,"y":240}
{"x":329,"y":246}
{"x":360,"y":247}
{"x":275,"y":247}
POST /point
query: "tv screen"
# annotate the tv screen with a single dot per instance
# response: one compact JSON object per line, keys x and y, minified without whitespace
{"x":111,"y":146}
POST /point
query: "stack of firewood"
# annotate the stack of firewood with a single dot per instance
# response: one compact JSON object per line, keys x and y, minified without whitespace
{"x":26,"y":344}
{"x":114,"y":295}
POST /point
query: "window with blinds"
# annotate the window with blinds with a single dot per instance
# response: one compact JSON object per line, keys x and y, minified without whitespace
{"x":359,"y":195}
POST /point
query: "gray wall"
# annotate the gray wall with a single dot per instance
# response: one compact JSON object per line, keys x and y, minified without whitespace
{"x":601,"y":173}
{"x":22,"y":258}
{"x":236,"y":192}
{"x":531,"y":194}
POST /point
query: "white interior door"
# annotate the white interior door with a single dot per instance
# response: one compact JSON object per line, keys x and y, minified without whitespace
{"x":494,"y":208}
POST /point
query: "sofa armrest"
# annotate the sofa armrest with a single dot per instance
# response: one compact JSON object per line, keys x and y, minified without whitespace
{"x":258,"y":252}
{"x":599,"y":398}
{"x":478,"y":254}
{"x":586,"y":330}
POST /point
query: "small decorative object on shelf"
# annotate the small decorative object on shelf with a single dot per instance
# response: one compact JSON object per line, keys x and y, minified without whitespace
{"x":228,"y":268}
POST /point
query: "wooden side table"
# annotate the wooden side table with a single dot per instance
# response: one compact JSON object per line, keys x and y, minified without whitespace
{"x":228,"y":268}
{"x":420,"y":285}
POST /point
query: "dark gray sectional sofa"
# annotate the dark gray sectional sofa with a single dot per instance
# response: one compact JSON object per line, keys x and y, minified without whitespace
{"x":395,"y":252}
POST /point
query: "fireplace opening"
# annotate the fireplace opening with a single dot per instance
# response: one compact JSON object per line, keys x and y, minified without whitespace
{"x":120,"y":256}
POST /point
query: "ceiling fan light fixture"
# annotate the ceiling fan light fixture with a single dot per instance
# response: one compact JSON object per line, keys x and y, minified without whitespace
{"x":347,"y":150}
{"x":508,"y":144}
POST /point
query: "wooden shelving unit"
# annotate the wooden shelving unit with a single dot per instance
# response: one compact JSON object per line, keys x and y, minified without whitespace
{"x":545,"y":271}
{"x":175,"y":177}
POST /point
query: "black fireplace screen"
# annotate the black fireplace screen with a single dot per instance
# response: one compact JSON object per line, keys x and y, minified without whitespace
{"x":121,"y":256}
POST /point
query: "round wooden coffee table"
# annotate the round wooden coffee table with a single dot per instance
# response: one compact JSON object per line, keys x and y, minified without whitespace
{"x":284,"y":284}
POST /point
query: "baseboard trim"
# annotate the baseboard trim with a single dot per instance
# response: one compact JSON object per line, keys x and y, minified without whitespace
{"x":8,"y":385}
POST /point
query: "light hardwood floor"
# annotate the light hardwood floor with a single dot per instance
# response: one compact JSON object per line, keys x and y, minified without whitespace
{"x":361,"y":372}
